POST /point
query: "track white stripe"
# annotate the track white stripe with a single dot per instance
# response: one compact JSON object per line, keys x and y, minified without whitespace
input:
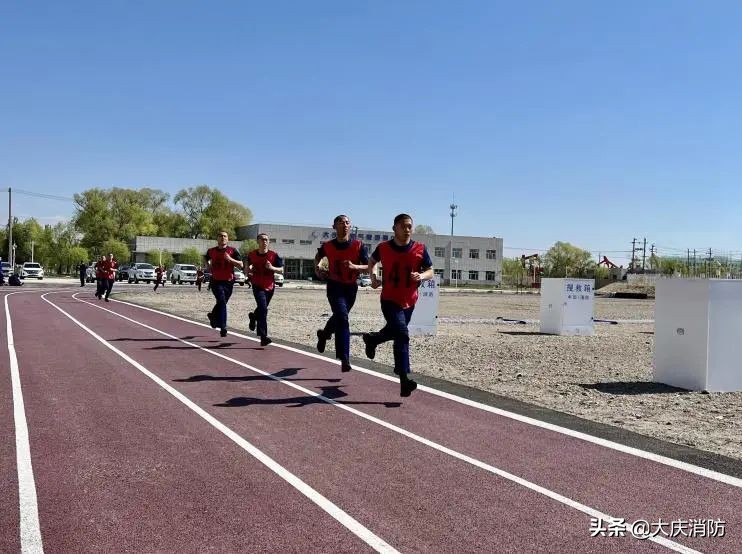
{"x":374,"y":541}
{"x":30,"y":529}
{"x":445,"y":450}
{"x":664,"y":460}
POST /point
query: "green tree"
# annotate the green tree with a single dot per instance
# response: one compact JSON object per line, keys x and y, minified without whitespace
{"x":424,"y":230}
{"x":248,"y":246}
{"x":207,"y":211}
{"x":565,"y":260}
{"x":513,"y":272}
{"x":118,"y":248}
{"x":191,"y":255}
{"x":154,"y":257}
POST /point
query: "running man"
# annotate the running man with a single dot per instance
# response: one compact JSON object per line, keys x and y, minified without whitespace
{"x":222,"y":260}
{"x":159,"y":272}
{"x":405,"y":263}
{"x":100,"y":277}
{"x":341,"y":286}
{"x":199,"y":278}
{"x":109,"y":270}
{"x":262,"y":265}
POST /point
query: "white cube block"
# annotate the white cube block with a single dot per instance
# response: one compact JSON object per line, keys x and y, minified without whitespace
{"x":698,"y":334}
{"x":567,"y":306}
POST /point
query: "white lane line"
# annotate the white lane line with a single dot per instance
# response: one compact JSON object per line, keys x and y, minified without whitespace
{"x":651,"y":456}
{"x":30,"y":529}
{"x":422,"y":440}
{"x":374,"y":541}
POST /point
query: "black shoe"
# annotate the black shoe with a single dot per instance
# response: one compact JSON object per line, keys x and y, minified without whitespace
{"x":211,"y":320}
{"x":406,"y":387}
{"x":107,"y":300}
{"x":345,"y":366}
{"x":370,"y":346}
{"x":265,"y":341}
{"x":321,"y":340}
{"x":251,"y":317}
{"x":223,"y":332}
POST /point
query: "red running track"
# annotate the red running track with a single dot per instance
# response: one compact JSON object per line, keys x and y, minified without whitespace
{"x":151,"y":433}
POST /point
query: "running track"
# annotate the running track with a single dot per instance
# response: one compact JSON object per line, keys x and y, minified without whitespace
{"x":149,"y":433}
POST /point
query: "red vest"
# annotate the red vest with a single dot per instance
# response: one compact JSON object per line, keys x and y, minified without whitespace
{"x":336,"y":257}
{"x":398,"y":286}
{"x":221,"y":269}
{"x":99,"y":270}
{"x":109,"y":269}
{"x":262,"y":278}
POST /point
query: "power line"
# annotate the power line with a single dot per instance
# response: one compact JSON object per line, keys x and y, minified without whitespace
{"x":41,"y":195}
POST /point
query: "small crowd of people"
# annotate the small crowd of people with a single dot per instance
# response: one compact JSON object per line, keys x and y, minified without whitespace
{"x":406,"y":263}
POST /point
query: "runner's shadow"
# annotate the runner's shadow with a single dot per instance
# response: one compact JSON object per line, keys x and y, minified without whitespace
{"x":189,"y":337}
{"x":632,"y":388}
{"x":221,"y":344}
{"x":284,"y":374}
{"x":518,"y":333}
{"x":330,"y":392}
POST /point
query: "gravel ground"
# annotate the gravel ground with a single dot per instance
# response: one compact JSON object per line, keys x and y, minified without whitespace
{"x":605,"y":378}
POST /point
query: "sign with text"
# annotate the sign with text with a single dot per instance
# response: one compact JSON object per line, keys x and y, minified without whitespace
{"x":424,"y":319}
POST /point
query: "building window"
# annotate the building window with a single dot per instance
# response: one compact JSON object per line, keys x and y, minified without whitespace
{"x":368,"y":236}
{"x":305,"y":242}
{"x":491,"y":254}
{"x":456,"y":252}
{"x":377,"y":237}
{"x":440,"y":251}
{"x":438,"y":272}
{"x":474,"y":276}
{"x":272,"y":241}
{"x":386,"y":237}
{"x":490,"y":276}
{"x":287,"y":241}
{"x":474,"y":254}
{"x":456,"y":274}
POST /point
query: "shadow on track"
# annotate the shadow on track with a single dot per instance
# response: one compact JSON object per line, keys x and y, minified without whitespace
{"x":332,"y":392}
{"x":283,"y":374}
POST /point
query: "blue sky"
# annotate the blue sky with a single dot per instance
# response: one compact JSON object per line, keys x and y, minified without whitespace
{"x":582,"y":121}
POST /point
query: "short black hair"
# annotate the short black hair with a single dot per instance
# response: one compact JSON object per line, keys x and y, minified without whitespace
{"x":401,"y":217}
{"x":262,"y":235}
{"x":337,"y":218}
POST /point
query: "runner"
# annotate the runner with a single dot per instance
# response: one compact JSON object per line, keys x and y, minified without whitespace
{"x":222,"y":260}
{"x":341,"y":286}
{"x":262,"y":265}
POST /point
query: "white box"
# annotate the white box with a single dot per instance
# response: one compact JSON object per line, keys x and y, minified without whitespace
{"x":698,"y":334}
{"x":567,"y":306}
{"x":424,"y":320}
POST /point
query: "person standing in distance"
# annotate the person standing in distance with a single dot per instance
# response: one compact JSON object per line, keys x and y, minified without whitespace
{"x":222,"y":260}
{"x":82,"y":269}
{"x":405,"y":263}
{"x":342,"y":287}
{"x":262,"y":265}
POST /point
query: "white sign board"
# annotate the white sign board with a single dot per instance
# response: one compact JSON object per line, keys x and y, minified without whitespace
{"x":424,"y":319}
{"x":698,"y":325}
{"x":567,"y":306}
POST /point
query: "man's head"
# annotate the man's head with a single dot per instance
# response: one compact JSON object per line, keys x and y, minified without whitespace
{"x":222,"y":238}
{"x":110,"y":256}
{"x":263,"y":241}
{"x":341,"y":224}
{"x":403,"y":228}
{"x":103,"y":257}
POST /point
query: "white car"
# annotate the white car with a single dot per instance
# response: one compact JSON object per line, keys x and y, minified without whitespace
{"x":278,"y":279}
{"x":363,"y":281}
{"x":183,"y":273}
{"x":32,"y":270}
{"x":141,"y":272}
{"x":239,"y":276}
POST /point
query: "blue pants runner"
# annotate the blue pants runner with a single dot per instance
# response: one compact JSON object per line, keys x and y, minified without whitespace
{"x":397,"y":319}
{"x":222,"y":291}
{"x":342,"y":298}
{"x":263,"y":300}
{"x":107,"y":286}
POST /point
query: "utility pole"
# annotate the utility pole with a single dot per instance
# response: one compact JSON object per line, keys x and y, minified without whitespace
{"x":32,"y":243}
{"x":694,"y":262}
{"x":708,"y":265}
{"x":633,"y":256}
{"x":644,"y":254}
{"x":10,"y":232}
{"x":688,"y":264}
{"x":453,"y":207}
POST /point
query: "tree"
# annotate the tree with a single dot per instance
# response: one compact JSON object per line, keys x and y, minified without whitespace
{"x":191,"y":255}
{"x":207,"y":211}
{"x":116,"y":247}
{"x":423,"y":230}
{"x":565,"y":260}
{"x":248,"y":246}
{"x":513,"y":272}
{"x":160,"y":257}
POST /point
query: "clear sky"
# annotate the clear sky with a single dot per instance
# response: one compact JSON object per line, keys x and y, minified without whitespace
{"x":583,"y":121}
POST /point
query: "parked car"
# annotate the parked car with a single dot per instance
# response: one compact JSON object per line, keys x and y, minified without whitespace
{"x":7,"y":269}
{"x":122,"y":272}
{"x":239,"y":276}
{"x":90,"y":273}
{"x":364,"y":281}
{"x":32,"y":270}
{"x":278,"y":279}
{"x":183,"y":273}
{"x":141,"y":272}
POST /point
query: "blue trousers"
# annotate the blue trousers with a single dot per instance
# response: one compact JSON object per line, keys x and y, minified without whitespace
{"x":262,"y":299}
{"x":222,"y":291}
{"x":342,"y":298}
{"x":397,"y":319}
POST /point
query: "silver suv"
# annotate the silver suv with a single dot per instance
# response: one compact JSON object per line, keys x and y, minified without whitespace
{"x":183,"y":273}
{"x":32,"y":270}
{"x":141,"y":272}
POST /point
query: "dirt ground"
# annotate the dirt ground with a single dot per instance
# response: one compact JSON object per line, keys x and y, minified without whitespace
{"x":605,"y":378}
